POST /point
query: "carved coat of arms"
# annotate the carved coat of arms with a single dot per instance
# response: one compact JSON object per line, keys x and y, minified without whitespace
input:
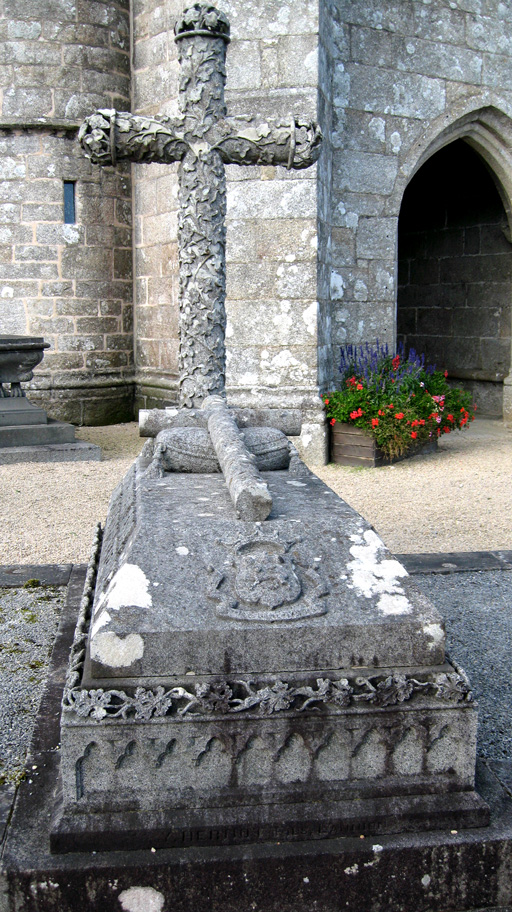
{"x":268,"y":580}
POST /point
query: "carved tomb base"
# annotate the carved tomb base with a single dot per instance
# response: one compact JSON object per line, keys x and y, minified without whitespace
{"x":251,"y":681}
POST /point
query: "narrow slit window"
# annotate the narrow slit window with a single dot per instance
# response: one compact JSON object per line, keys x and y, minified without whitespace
{"x":69,"y":203}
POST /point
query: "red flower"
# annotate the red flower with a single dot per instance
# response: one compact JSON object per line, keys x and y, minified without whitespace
{"x":391,"y":405}
{"x":326,"y":401}
{"x":382,"y":412}
{"x":375,"y":422}
{"x":450,"y":418}
{"x":414,"y":435}
{"x":359,"y":386}
{"x":333,"y":420}
{"x":399,"y":415}
{"x":395,"y":362}
{"x":354,"y":414}
{"x":446,"y":373}
{"x":447,"y":430}
{"x":421,"y":421}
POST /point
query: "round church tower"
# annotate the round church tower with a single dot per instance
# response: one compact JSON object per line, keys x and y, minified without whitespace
{"x":65,"y":225}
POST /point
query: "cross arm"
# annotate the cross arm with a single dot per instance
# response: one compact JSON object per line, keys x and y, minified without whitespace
{"x":294,"y":142}
{"x":108,"y":136}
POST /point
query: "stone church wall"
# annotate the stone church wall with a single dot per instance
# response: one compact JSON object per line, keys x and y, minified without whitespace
{"x":409,"y":77}
{"x":70,"y":283}
{"x":155,"y":90}
{"x":271,"y":223}
{"x":311,"y":256}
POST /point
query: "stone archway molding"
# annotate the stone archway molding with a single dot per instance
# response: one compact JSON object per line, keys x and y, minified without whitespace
{"x":488,"y":130}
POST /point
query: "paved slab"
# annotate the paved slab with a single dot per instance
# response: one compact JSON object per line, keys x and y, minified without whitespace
{"x":15,"y":575}
{"x":52,"y":452}
{"x":456,"y":561}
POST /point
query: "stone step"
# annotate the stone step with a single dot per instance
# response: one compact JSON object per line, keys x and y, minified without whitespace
{"x":37,"y":434}
{"x":18,"y":410}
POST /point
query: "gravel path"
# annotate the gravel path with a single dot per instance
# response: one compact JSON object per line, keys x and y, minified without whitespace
{"x":459,"y":499}
{"x":50,"y":510}
{"x":476,"y":608}
{"x":29,"y":618}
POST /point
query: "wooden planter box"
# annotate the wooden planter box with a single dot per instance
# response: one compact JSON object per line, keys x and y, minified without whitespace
{"x":353,"y":447}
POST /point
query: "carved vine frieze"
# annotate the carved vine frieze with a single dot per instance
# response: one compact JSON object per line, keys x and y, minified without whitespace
{"x":227,"y":698}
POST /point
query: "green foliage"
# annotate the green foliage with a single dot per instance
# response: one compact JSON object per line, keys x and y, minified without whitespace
{"x":396,"y":399}
{"x":32,"y":584}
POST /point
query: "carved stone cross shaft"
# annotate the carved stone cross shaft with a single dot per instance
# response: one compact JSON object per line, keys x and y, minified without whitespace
{"x":203,"y":139}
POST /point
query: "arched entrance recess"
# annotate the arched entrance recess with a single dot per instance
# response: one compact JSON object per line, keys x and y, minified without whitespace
{"x":455,"y":259}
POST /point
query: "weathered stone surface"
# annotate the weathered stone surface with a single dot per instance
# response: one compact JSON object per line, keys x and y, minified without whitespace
{"x":25,"y":431}
{"x":276,"y":877}
{"x":78,"y":451}
{"x":108,"y":135}
{"x":250,"y":495}
{"x":14,"y":575}
{"x":54,"y":252}
{"x":18,"y":357}
{"x":366,"y":706}
{"x":55,"y":66}
{"x":190,"y":449}
{"x":152,"y":421}
{"x":204,"y":532}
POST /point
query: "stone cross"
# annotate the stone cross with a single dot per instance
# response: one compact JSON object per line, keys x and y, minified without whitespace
{"x":203,"y":139}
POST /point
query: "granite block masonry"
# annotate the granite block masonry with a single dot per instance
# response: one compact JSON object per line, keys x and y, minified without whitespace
{"x":390,"y":85}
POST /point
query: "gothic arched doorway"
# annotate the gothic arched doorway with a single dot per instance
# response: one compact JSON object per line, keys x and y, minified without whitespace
{"x":455,"y":272}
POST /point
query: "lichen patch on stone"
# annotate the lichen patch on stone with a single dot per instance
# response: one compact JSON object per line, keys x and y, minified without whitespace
{"x":129,"y":586}
{"x":372,"y":577}
{"x":436,"y":632}
{"x":310,"y":317}
{"x":394,"y":604}
{"x":117,"y":652}
{"x":102,"y":619}
{"x":141,"y":899}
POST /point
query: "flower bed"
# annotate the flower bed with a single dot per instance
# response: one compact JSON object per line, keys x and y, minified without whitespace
{"x":397,"y":401}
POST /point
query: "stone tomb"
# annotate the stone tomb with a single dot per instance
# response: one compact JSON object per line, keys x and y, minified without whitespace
{"x":245,"y":681}
{"x":251,"y":663}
